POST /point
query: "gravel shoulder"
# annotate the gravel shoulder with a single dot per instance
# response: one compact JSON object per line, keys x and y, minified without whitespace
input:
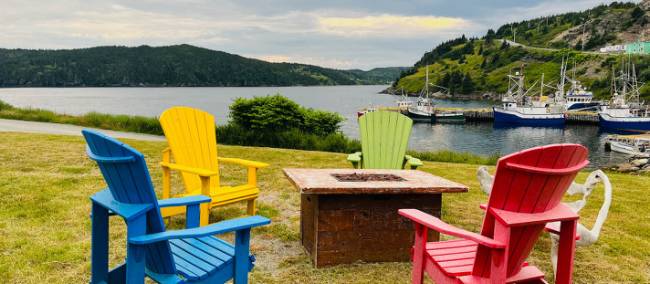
{"x":9,"y":125}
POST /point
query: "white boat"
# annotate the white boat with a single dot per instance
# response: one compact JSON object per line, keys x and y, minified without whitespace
{"x":424,"y":109}
{"x":625,"y":111}
{"x":403,"y":103}
{"x":519,"y":109}
{"x":636,"y":145}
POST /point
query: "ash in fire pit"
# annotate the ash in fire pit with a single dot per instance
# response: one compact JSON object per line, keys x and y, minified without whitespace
{"x":355,"y":177}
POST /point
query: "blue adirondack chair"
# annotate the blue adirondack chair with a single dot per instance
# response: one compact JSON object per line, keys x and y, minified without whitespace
{"x":191,"y":255}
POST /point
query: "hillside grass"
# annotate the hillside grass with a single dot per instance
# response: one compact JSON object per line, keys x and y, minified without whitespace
{"x":46,"y":180}
{"x":488,"y":65}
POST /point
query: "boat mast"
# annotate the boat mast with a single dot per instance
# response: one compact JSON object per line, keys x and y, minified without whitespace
{"x":520,"y":90}
{"x":541,"y":87}
{"x":426,"y":84}
{"x":560,"y":94}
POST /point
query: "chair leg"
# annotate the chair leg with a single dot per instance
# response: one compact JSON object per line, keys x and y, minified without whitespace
{"x":499,"y":261}
{"x":135,"y":254}
{"x":251,"y":207}
{"x":242,"y":265}
{"x":566,"y":250}
{"x":205,"y":214}
{"x":99,"y":244}
{"x":417,"y":273}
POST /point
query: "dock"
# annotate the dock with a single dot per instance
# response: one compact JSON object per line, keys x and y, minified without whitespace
{"x":487,"y":115}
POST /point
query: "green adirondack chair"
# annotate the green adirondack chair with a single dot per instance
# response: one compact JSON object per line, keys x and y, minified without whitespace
{"x":384,"y":137}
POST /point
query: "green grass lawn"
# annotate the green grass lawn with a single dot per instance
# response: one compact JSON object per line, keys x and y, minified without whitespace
{"x":45,"y":182}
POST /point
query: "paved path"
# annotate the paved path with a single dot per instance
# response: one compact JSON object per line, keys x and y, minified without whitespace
{"x":512,"y":43}
{"x":66,"y":129}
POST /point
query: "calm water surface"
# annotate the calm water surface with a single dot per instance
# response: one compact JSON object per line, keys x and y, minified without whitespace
{"x":479,"y":138}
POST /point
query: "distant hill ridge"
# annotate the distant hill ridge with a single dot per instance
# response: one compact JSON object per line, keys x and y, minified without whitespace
{"x":177,"y":65}
{"x":479,"y":65}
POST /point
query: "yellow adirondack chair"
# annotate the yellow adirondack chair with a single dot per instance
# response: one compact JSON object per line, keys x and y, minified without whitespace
{"x":192,"y":143}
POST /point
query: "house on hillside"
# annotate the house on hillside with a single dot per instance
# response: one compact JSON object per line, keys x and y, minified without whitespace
{"x":639,"y":47}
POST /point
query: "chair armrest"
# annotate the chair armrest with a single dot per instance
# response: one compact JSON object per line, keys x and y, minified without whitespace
{"x":128,"y":211}
{"x":413,"y":163}
{"x":243,"y":162}
{"x":186,"y":169}
{"x":187,"y":200}
{"x":554,"y":228}
{"x":213,"y":229}
{"x":355,"y":157}
{"x":561,"y":212}
{"x":434,"y":223}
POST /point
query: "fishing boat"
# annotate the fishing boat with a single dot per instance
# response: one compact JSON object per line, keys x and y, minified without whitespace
{"x":577,"y":98}
{"x":424,"y":109}
{"x":625,"y":111}
{"x":518,"y":109}
{"x":370,"y":108}
{"x":636,"y":145}
{"x":403,"y":103}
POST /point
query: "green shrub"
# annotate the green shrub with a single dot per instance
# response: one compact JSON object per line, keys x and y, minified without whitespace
{"x":269,"y":112}
{"x":233,"y":134}
{"x":278,"y":113}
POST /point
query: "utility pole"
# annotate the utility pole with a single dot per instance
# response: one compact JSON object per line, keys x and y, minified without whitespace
{"x":584,"y":25}
{"x":514,"y":33}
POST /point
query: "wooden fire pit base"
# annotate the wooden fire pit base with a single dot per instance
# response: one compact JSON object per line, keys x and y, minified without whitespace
{"x":350,"y":215}
{"x":338,"y":229}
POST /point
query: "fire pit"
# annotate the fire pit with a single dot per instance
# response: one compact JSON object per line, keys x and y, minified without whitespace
{"x":361,"y":177}
{"x":349,"y":215}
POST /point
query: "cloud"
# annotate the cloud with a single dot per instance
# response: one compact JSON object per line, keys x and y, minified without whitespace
{"x":313,"y":60}
{"x":390,"y":25}
{"x":334,"y":33}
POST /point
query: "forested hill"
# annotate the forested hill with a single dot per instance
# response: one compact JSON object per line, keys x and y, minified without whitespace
{"x":179,"y":65}
{"x":479,"y":65}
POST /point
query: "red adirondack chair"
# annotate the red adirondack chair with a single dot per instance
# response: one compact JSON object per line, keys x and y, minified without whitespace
{"x":526,"y":194}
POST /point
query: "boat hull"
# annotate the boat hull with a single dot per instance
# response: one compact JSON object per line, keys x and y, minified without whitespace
{"x":627,"y":149}
{"x":450,"y":117}
{"x":506,"y":117}
{"x":624,"y":123}
{"x":420,"y":117}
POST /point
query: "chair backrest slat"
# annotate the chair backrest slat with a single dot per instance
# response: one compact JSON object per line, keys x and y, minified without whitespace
{"x":192,"y":138}
{"x":530,"y":181}
{"x":126,"y":174}
{"x":384,"y":138}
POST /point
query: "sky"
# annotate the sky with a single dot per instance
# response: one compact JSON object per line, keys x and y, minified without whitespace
{"x":335,"y":33}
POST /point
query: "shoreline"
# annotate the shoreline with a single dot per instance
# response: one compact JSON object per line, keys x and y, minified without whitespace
{"x":182,"y":86}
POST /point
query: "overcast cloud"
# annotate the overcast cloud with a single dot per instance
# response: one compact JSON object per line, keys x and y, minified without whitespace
{"x":335,"y":33}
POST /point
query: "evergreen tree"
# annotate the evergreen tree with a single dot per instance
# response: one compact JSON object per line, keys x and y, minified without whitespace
{"x":468,"y":48}
{"x":504,"y":45}
{"x":489,"y":37}
{"x":467,"y":85}
{"x":637,"y":13}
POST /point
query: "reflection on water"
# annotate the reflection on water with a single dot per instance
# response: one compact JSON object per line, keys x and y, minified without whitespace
{"x":479,"y":138}
{"x":485,"y":139}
